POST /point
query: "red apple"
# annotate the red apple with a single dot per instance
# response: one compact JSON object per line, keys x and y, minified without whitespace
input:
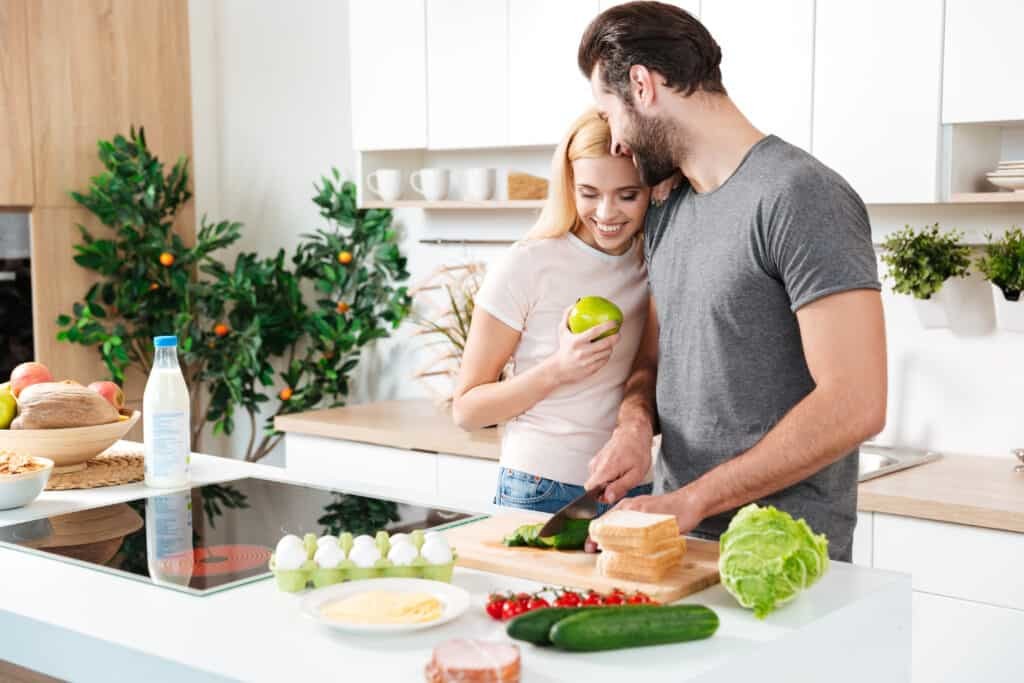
{"x":111,"y":392}
{"x":27,"y":374}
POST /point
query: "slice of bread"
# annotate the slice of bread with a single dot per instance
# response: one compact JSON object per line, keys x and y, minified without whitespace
{"x":647,"y":568}
{"x":635,"y":532}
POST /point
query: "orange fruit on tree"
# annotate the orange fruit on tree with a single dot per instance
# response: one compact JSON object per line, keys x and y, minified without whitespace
{"x":153,"y":286}
{"x":343,"y":307}
{"x":167,"y":259}
{"x":344,"y":258}
{"x":285,"y":394}
{"x":221,"y":330}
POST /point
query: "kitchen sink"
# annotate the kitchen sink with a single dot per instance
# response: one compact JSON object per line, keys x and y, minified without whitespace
{"x":877,"y":461}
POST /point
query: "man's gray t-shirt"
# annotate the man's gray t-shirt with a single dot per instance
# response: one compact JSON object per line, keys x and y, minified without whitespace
{"x":728,"y":270}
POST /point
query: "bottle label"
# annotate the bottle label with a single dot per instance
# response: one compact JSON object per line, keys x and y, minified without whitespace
{"x":168,"y":448}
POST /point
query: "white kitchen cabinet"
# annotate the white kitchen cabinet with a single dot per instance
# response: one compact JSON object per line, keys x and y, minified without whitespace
{"x":387,"y":39}
{"x":982,"y":78}
{"x":956,"y":641}
{"x":863,"y":538}
{"x":691,"y":6}
{"x":546,"y":89}
{"x":972,"y":563}
{"x":877,"y":77}
{"x":767,"y":61}
{"x":467,"y":72}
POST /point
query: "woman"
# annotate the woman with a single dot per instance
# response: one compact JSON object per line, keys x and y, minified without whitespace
{"x":562,"y":400}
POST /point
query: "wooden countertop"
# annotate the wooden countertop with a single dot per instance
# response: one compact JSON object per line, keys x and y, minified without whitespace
{"x":415,"y":425}
{"x":962,"y":489}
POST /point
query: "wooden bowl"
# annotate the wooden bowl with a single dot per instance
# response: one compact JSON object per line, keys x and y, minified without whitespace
{"x":69,"y":448}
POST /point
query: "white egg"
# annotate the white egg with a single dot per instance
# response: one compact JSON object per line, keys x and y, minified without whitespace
{"x":402,"y":553}
{"x":289,"y":557}
{"x":364,"y":555}
{"x":400,"y":538}
{"x":326,"y":540}
{"x":329,"y":556}
{"x":436,"y":551}
{"x":431,"y":534}
{"x":289,"y":541}
{"x":364,"y":540}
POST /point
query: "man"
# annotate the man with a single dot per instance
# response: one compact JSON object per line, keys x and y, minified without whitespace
{"x":763,"y":361}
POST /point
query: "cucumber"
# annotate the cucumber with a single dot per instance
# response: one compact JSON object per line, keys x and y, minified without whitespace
{"x":534,"y":627}
{"x":572,"y":536}
{"x":613,"y":628}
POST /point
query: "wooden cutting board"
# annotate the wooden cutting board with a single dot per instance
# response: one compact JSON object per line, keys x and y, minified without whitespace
{"x":479,"y":546}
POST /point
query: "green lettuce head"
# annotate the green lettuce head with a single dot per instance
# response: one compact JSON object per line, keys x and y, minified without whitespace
{"x":767,"y":557}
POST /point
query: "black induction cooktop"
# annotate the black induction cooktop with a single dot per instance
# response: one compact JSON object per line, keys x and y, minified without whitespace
{"x":209,"y":538}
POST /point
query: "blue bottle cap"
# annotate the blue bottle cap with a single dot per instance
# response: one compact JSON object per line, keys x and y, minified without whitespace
{"x":160,"y":342}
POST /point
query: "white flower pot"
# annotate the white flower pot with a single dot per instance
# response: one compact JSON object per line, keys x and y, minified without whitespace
{"x":1009,"y":314}
{"x":931,"y":312}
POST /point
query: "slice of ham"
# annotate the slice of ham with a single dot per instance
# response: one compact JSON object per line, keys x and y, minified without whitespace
{"x":474,"y":661}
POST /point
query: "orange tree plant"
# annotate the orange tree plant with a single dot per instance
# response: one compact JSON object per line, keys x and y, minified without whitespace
{"x":249,"y":335}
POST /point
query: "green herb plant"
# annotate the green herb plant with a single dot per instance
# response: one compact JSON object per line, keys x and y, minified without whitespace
{"x":357,"y":515}
{"x":919,"y":262}
{"x":1003,"y":263}
{"x":236,"y":323}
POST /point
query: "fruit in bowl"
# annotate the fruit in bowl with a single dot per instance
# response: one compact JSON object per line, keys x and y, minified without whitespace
{"x":27,"y":374}
{"x":55,"y":405}
{"x":110,"y":392}
{"x":22,"y":479}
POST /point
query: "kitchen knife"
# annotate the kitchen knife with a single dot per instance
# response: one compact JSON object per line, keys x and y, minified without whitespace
{"x":583,"y":507}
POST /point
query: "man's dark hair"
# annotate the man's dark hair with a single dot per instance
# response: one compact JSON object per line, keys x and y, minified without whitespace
{"x":661,"y":37}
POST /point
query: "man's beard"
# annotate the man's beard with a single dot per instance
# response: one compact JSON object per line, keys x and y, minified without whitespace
{"x":651,"y":142}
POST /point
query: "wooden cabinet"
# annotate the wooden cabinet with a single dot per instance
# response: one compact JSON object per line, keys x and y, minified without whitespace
{"x":877,"y":74}
{"x":982,"y":78}
{"x":546,"y":89}
{"x":467,"y":72}
{"x":956,"y":641}
{"x":387,"y":39}
{"x":767,"y":58}
{"x":16,"y":175}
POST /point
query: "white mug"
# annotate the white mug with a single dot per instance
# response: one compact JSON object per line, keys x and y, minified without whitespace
{"x":477,"y":184}
{"x":432,"y":183}
{"x":388,"y":185}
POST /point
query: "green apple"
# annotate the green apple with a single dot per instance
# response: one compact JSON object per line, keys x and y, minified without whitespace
{"x":591,"y":311}
{"x":8,"y":405}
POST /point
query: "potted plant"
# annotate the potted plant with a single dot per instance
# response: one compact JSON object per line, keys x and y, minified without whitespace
{"x":919,"y":264}
{"x":1003,"y":266}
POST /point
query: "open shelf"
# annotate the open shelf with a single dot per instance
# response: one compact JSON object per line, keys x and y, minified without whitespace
{"x":987,"y":197}
{"x":452,"y":204}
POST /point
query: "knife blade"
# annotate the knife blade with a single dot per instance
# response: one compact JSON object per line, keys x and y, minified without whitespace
{"x":582,"y":507}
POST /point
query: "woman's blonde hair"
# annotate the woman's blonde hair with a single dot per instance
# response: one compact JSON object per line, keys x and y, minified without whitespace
{"x":588,"y":138}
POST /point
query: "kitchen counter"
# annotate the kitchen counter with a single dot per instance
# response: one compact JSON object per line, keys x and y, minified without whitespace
{"x":414,"y":425}
{"x":86,"y":625}
{"x":963,"y":489}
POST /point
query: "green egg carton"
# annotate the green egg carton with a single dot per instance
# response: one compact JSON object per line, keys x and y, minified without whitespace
{"x":292,"y":580}
{"x":328,"y":577}
{"x":439,"y":572}
{"x":374,"y":572}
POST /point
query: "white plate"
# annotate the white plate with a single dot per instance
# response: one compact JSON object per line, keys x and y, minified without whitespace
{"x":454,"y":601}
{"x":1010,"y":183}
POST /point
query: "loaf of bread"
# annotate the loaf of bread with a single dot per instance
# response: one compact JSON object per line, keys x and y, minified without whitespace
{"x":644,"y":567}
{"x":629,"y":531}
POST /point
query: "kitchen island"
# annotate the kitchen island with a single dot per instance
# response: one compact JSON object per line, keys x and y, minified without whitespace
{"x":80,"y":624}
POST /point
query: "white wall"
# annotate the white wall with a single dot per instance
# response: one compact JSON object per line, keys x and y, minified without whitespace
{"x":270,"y":100}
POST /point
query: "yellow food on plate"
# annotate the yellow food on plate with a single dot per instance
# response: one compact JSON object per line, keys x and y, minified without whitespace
{"x":384,"y":607}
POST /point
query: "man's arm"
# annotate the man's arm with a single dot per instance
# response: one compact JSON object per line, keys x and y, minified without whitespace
{"x":624,"y":461}
{"x":844,"y":345}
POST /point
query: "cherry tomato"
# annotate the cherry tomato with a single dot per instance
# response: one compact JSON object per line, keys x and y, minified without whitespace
{"x":637,"y":599}
{"x":495,"y":608}
{"x":536,"y":603}
{"x":613,"y":599}
{"x":592,"y":599}
{"x":512,"y":609}
{"x":568,"y":599}
{"x":523,"y":596}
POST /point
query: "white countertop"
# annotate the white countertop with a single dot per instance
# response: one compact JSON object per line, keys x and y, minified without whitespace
{"x":85,"y":625}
